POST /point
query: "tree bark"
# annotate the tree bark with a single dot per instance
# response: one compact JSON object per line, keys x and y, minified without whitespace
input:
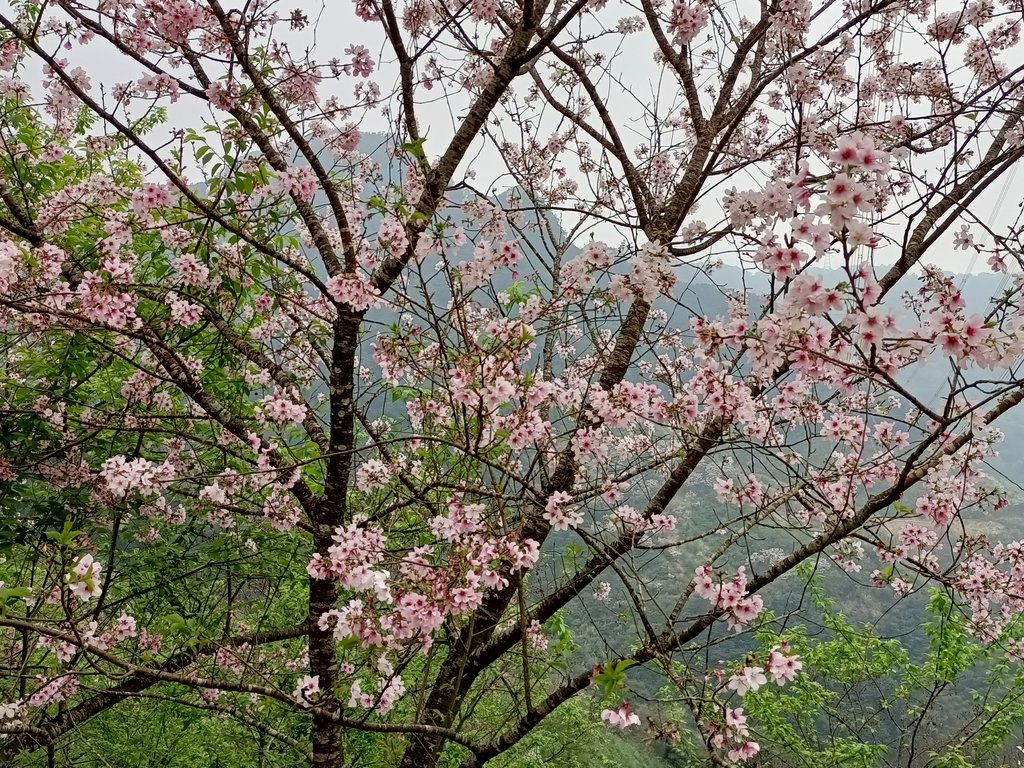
{"x":330,"y":513}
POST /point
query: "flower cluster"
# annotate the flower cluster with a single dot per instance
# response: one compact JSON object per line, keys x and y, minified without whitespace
{"x":122,"y":476}
{"x":558,"y":513}
{"x":623,"y":717}
{"x":281,"y":407}
{"x":298,"y":182}
{"x":729,"y":597}
{"x":84,"y":578}
{"x":405,"y":598}
{"x":687,"y":20}
{"x":352,"y":290}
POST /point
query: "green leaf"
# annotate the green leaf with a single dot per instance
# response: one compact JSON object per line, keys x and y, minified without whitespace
{"x":415,"y":148}
{"x":19,"y":593}
{"x":612,"y":677}
{"x":65,"y":536}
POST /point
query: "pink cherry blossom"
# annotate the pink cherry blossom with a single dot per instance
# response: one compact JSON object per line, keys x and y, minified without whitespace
{"x":557,"y":515}
{"x":748,"y":679}
{"x":307,"y":689}
{"x":783,"y":668}
{"x":282,"y":407}
{"x":621,"y":718}
{"x":84,"y":577}
{"x":261,"y":304}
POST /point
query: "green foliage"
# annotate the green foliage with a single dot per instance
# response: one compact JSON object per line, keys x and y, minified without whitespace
{"x":150,"y":733}
{"x":558,"y":628}
{"x":951,"y":649}
{"x":612,"y":678}
{"x":573,"y":737}
{"x":950,"y":758}
{"x":866,"y":701}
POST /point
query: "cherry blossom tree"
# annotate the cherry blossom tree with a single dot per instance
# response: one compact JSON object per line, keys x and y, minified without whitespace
{"x":296,"y":427}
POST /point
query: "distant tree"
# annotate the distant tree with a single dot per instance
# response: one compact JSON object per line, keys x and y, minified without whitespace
{"x":341,"y":446}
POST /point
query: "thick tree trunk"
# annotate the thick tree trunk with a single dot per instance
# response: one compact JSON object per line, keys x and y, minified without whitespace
{"x":331,"y":512}
{"x":326,"y":734}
